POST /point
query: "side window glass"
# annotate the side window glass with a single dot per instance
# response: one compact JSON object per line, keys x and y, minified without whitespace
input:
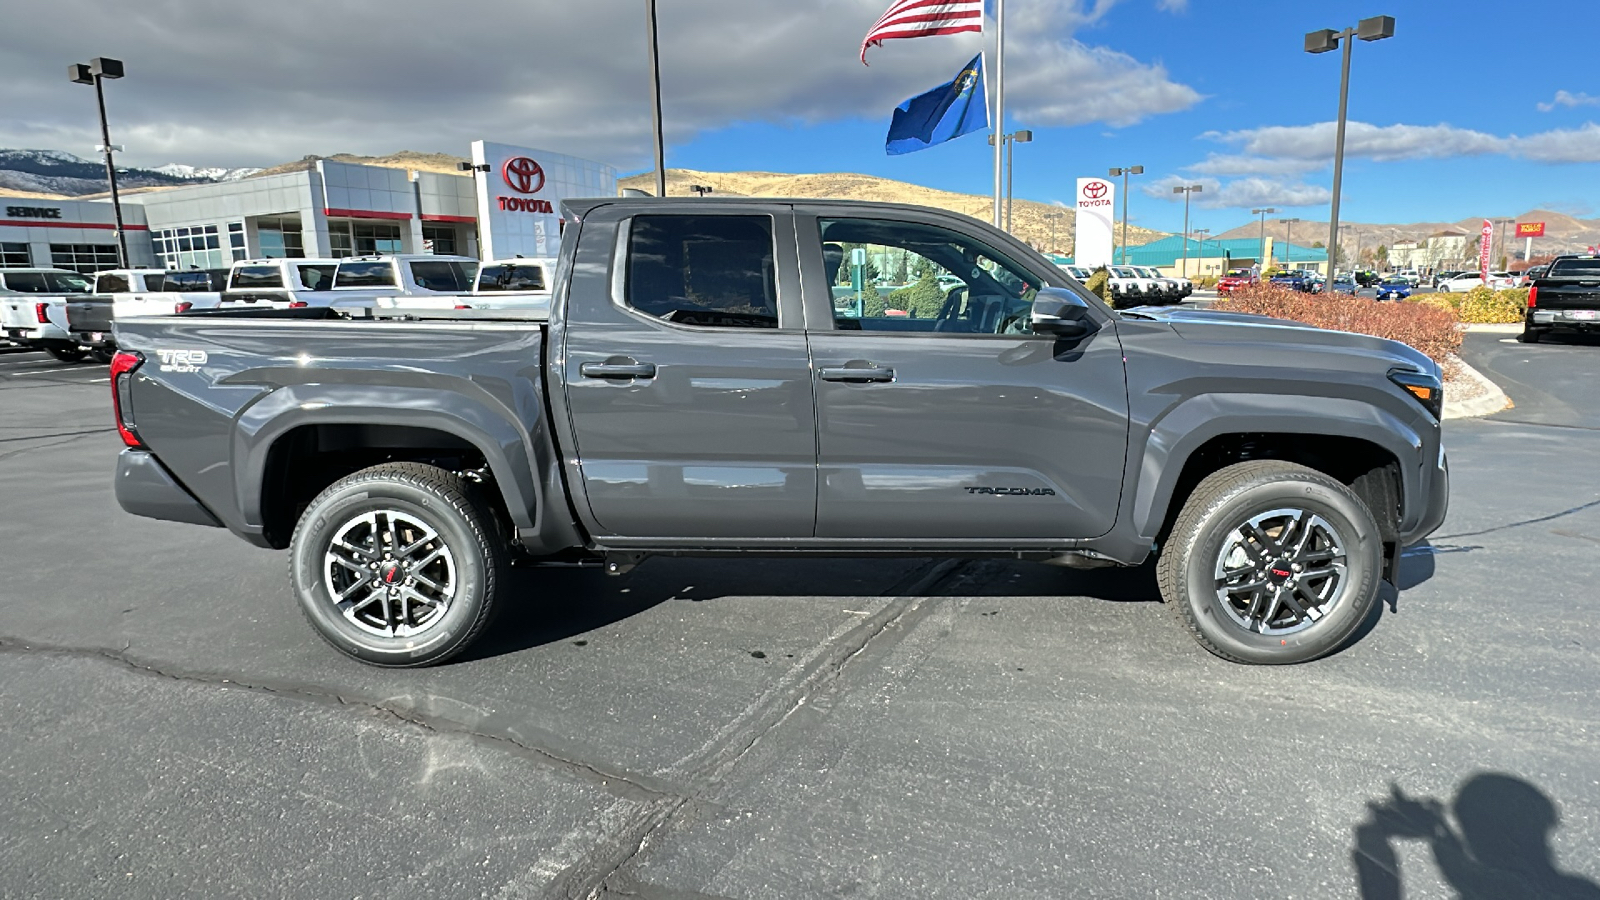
{"x":906,"y":276}
{"x":710,"y":271}
{"x":111,"y":284}
{"x":257,"y":277}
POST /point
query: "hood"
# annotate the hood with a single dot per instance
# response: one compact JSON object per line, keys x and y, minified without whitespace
{"x":1216,"y":326}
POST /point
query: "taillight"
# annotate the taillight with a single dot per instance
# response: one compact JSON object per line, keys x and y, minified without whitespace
{"x":183,"y":306}
{"x":462,"y":306}
{"x":122,"y":368}
{"x":298,"y":304}
{"x":39,"y":312}
{"x":1533,"y":297}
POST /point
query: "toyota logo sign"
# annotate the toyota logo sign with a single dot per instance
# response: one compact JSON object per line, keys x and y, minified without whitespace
{"x":1094,"y":190}
{"x":523,"y":175}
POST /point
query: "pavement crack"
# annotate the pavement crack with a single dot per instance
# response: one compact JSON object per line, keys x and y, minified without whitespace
{"x":1556,"y":515}
{"x":818,"y":672}
{"x":623,"y":785}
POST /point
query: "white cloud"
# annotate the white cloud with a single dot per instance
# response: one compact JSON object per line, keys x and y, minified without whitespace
{"x":1400,"y":142}
{"x":1173,"y":5}
{"x":1569,"y":99}
{"x":1218,"y":164}
{"x":1241,"y":192}
{"x":254,"y":84}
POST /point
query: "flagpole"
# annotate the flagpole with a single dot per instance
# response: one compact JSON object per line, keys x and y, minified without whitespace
{"x":999,"y":101}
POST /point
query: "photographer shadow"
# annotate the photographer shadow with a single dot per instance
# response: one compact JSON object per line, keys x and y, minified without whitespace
{"x":1497,"y":848}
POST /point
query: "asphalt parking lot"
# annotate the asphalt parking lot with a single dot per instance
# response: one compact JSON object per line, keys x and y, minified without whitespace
{"x":769,"y":729}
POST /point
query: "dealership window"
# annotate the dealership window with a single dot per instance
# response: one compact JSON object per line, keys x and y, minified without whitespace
{"x":84,"y":258}
{"x":190,"y":247}
{"x":280,"y":238}
{"x":14,"y":256}
{"x":349,"y":237}
{"x":236,"y":246}
{"x":441,"y":238}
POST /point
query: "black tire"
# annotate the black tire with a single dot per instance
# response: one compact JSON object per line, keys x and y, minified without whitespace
{"x":67,"y":354}
{"x":102,"y":355}
{"x":1218,"y":512}
{"x":1531,"y":335}
{"x":413,"y":499}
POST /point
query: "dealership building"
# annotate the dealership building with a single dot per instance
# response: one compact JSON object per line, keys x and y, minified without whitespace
{"x":508,"y":205}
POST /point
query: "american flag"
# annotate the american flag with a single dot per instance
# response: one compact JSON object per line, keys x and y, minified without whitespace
{"x":920,"y":18}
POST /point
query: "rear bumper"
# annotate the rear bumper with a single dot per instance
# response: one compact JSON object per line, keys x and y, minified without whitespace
{"x":144,"y":487}
{"x":1583,"y":319}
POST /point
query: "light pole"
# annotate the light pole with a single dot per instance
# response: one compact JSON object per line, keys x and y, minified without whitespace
{"x":1051,"y":218}
{"x":655,"y":102}
{"x":1374,"y":29}
{"x":1186,"y":190}
{"x":1125,"y":172}
{"x":97,"y":70}
{"x":1288,"y":240}
{"x":1502,"y":239}
{"x":1015,"y":137}
{"x":1261,"y":255}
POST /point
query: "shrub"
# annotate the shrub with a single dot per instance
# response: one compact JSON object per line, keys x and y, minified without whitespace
{"x":1480,"y":305}
{"x":1424,"y":326}
{"x":923,"y":300}
{"x":1099,"y":284}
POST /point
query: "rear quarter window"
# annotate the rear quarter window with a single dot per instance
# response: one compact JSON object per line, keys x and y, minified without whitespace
{"x":1574,"y":268}
{"x":445,"y":276}
{"x":257,"y":277}
{"x":511,"y":278}
{"x":111,"y":284}
{"x":25,"y":282}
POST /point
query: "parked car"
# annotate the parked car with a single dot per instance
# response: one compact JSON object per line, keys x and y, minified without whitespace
{"x":1235,"y":279}
{"x":519,"y":283}
{"x":1343,"y":284}
{"x":1171,"y":290}
{"x":1441,"y":277}
{"x":1393,"y":289}
{"x":277,"y":283}
{"x":1127,"y":289}
{"x":33,"y":310}
{"x":1464,"y":281}
{"x":1566,"y":297}
{"x":1531,"y":274}
{"x":675,"y":401}
{"x":124,"y":292}
{"x":1294,"y":280}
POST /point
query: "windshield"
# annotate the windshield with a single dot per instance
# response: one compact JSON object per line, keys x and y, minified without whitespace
{"x":509,"y":277}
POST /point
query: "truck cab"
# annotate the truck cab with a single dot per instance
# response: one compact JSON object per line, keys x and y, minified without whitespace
{"x":513,"y":283}
{"x":277,"y":283}
{"x":33,"y":309}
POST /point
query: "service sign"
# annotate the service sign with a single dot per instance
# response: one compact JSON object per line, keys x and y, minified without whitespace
{"x":1094,"y":237}
{"x":520,"y":190}
{"x":1530,"y":229}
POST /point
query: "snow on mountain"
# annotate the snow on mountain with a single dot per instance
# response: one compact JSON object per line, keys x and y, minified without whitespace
{"x":209,"y":173}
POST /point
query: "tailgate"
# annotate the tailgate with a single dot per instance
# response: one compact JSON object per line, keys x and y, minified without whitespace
{"x":1568,"y":295}
{"x":89,"y":314}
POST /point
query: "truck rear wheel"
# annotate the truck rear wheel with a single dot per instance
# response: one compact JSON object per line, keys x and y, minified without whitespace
{"x":1272,"y":563}
{"x":396,"y":565}
{"x":67,"y":354}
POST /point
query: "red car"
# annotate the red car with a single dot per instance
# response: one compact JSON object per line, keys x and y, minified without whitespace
{"x":1237,"y":278}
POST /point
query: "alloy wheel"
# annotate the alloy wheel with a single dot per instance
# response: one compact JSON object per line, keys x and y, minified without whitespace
{"x":1281,"y":571}
{"x":389,"y":573}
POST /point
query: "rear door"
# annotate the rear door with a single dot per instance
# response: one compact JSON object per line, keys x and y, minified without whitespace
{"x":940,"y":414}
{"x":686,"y":377}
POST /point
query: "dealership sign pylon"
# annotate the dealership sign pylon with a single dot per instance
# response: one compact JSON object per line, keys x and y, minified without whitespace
{"x":1094,"y":240}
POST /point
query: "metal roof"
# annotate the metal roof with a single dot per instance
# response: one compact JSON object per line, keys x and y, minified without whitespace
{"x":1169,"y":250}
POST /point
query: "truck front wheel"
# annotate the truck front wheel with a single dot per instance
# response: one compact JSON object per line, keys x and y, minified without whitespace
{"x":1272,"y":563}
{"x":396,"y":565}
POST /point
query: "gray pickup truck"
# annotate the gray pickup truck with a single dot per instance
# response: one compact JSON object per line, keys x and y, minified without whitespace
{"x":693,"y":389}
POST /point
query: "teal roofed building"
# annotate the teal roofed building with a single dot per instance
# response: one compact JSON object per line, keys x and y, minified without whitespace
{"x":1214,"y":257}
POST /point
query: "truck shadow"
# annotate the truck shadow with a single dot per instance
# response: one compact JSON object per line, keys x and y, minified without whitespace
{"x":541,"y":606}
{"x":1492,"y":840}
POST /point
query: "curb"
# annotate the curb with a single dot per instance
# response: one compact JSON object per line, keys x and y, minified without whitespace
{"x":1513,"y":328}
{"x":1492,"y":402}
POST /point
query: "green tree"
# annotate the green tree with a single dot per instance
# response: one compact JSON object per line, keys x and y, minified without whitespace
{"x":1099,"y":284}
{"x":922,"y":300}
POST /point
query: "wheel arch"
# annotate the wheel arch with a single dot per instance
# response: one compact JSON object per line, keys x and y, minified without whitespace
{"x":302,"y":438}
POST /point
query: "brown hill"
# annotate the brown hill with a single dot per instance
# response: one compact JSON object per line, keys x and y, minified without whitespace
{"x":404,"y":159}
{"x":1029,"y":220}
{"x":30,"y":195}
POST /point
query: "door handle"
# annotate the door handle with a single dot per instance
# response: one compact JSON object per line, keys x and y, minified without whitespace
{"x":618,"y":370}
{"x":861,"y":374}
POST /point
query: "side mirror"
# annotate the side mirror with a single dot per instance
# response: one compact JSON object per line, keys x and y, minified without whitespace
{"x":1062,"y":313}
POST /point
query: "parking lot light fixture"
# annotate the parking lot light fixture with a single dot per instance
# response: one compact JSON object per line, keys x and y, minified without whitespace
{"x":1375,"y":28}
{"x":1186,"y":190}
{"x":1288,"y":241}
{"x":1261,"y":255}
{"x":1124,"y":172}
{"x":701,"y":189}
{"x":95,"y":72}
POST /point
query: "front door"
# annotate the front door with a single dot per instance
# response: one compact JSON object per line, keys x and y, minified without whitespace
{"x":688,"y":384}
{"x":940,"y":414}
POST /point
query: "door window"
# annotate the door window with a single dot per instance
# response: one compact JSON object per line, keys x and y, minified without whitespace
{"x":709,"y":271}
{"x":906,"y":276}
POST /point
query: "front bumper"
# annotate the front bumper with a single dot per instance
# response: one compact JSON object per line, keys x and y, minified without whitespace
{"x":1433,"y":503}
{"x":144,"y":487}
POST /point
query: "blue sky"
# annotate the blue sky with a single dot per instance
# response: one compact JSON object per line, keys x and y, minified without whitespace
{"x":1471,"y":65}
{"x":1448,"y":118}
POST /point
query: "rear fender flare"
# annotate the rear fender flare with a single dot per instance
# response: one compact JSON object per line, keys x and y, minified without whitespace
{"x":501,"y":442}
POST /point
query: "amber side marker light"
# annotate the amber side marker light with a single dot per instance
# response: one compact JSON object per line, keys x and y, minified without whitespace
{"x":1428,"y":389}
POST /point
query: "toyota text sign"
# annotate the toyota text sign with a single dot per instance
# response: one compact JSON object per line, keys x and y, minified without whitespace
{"x":520,"y":190}
{"x":1096,"y":206}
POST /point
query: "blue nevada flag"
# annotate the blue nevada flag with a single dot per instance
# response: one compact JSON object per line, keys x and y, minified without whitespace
{"x":948,"y":111}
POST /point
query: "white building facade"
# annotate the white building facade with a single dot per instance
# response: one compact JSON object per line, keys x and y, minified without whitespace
{"x":80,"y":235}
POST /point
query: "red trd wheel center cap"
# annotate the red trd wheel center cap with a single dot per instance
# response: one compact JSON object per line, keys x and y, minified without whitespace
{"x":390,"y":573}
{"x":1280,"y":571}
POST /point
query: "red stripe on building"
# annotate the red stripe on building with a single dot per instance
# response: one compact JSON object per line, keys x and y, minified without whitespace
{"x":46,"y":223}
{"x":427,"y":217}
{"x":366,"y":214}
